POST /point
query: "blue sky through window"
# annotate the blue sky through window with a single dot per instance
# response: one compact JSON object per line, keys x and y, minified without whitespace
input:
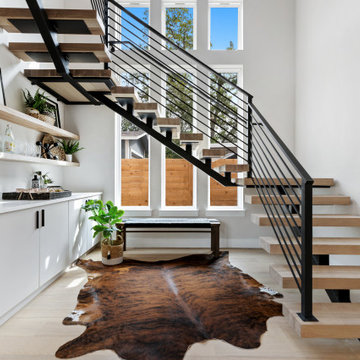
{"x":141,"y":13}
{"x":224,"y":28}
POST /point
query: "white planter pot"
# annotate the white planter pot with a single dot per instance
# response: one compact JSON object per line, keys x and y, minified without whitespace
{"x":68,"y":157}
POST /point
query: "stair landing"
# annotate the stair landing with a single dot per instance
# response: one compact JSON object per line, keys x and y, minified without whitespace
{"x":335,"y":320}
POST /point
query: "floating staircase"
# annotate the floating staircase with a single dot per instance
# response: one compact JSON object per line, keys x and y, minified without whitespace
{"x":278,"y":181}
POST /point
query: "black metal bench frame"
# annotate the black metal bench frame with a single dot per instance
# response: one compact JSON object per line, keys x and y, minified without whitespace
{"x":213,"y":225}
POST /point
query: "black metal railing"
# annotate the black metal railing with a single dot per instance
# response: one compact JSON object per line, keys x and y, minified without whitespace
{"x":283,"y":185}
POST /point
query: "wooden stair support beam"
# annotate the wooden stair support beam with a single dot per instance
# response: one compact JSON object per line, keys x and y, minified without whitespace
{"x":321,"y":246}
{"x":318,"y":220}
{"x":24,"y":50}
{"x":318,"y":182}
{"x":213,"y":153}
{"x":284,"y":199}
{"x":324,"y":277}
{"x":93,"y":23}
{"x":19,"y":118}
{"x":335,"y":320}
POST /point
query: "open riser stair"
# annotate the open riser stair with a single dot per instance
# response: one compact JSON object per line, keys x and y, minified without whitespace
{"x":205,"y":130}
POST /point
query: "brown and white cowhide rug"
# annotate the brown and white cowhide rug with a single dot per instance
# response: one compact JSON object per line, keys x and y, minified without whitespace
{"x":155,"y":311}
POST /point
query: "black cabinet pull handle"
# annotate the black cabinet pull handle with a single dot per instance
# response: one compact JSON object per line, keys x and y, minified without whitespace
{"x":42,"y":217}
{"x":37,"y":220}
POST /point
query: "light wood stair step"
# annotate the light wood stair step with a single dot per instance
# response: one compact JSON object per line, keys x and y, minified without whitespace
{"x":74,"y":52}
{"x":318,"y":182}
{"x":318,"y":220}
{"x":191,"y":138}
{"x":65,"y":21}
{"x":91,"y":79}
{"x":284,"y":199}
{"x":125,"y":94}
{"x":321,"y":246}
{"x":233,"y":168}
{"x":335,"y":320}
{"x":324,"y":277}
{"x":169,"y":124}
{"x":213,"y":153}
{"x":145,"y":110}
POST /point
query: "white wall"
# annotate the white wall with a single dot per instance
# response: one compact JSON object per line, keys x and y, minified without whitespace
{"x":328,"y":96}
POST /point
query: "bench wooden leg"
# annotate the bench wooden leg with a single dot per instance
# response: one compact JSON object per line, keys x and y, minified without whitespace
{"x":215,"y":239}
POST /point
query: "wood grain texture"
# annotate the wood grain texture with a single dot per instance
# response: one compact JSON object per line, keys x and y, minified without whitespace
{"x":155,"y":311}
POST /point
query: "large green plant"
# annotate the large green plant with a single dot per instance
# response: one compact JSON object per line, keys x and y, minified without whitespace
{"x":107,"y":216}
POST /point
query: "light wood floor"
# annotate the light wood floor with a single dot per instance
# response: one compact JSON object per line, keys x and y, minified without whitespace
{"x":36,"y":332}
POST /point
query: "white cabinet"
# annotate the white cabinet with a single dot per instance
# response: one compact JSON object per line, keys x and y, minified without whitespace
{"x":19,"y":257}
{"x":54,"y":256}
{"x":80,"y":233}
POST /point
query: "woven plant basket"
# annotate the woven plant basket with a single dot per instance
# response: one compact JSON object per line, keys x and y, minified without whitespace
{"x":32,"y":112}
{"x":112,"y":254}
{"x":47,"y":119}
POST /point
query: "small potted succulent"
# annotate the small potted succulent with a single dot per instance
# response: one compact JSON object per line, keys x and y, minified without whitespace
{"x":38,"y":107}
{"x":70,"y":148}
{"x":107,"y":216}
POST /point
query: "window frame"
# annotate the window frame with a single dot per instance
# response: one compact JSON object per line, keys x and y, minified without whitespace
{"x":239,"y":4}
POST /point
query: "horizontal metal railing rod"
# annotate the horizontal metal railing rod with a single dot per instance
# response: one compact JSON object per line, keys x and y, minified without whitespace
{"x":196,"y":102}
{"x":284,"y":189}
{"x":164,"y":106}
{"x":258,"y":136}
{"x":186,"y":71}
{"x":190,"y":114}
{"x":190,"y":85}
{"x":277,"y":229}
{"x":193,"y":58}
{"x":290,"y":156}
{"x":287,"y":224}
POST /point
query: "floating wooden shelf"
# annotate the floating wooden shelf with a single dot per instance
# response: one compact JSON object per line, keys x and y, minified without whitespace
{"x":36,"y":160}
{"x":19,"y":118}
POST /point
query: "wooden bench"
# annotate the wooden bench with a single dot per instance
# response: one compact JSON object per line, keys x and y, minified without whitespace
{"x":146,"y":225}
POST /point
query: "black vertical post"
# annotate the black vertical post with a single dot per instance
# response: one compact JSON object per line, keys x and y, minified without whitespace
{"x":249,"y":133}
{"x":106,"y":24}
{"x":306,"y":251}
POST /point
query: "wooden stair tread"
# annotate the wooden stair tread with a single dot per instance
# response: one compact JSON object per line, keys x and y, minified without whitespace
{"x":233,"y":168}
{"x":335,"y":320}
{"x":75,"y":52}
{"x":213,"y":153}
{"x":66,"y":21}
{"x":284,"y":199}
{"x":321,"y":246}
{"x":191,"y":137}
{"x":318,"y":182}
{"x":318,"y":220}
{"x":91,"y":79}
{"x":324,"y":277}
{"x":168,"y":122}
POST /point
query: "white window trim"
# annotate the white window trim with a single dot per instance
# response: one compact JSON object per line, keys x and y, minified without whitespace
{"x":180,"y":4}
{"x":229,"y":4}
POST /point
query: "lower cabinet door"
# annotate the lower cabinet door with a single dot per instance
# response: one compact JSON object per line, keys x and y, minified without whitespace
{"x":19,"y":257}
{"x":79,"y":235}
{"x":54,"y":251}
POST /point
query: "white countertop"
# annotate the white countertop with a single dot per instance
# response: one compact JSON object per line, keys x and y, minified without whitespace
{"x":7,"y":206}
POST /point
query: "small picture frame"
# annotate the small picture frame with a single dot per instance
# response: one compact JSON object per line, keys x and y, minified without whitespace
{"x":2,"y":91}
{"x":55,"y":106}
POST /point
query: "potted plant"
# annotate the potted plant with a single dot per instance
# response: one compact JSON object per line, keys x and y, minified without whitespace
{"x":107,"y":216}
{"x":70,"y":148}
{"x":38,"y":106}
{"x":45,"y":180}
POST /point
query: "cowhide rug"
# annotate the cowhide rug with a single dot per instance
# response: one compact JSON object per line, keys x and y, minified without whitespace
{"x":155,"y":311}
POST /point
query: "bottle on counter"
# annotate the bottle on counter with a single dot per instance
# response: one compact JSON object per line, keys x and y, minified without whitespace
{"x":35,"y":182}
{"x":9,"y":140}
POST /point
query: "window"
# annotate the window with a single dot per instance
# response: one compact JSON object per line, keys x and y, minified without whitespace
{"x":224,"y":130}
{"x":179,"y":26}
{"x":179,"y":173}
{"x":135,"y":151}
{"x":133,"y":34}
{"x":226,"y":26}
